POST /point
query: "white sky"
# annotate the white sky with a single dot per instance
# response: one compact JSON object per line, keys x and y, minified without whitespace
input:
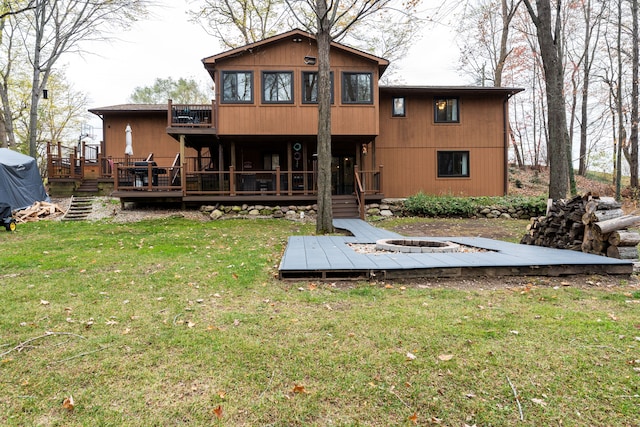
{"x":167,"y":45}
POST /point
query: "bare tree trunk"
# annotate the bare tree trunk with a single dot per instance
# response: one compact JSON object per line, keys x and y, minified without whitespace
{"x":324,"y":221}
{"x":633,"y":138}
{"x":551,"y":52}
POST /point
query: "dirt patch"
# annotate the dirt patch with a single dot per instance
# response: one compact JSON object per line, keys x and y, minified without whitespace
{"x":463,"y":227}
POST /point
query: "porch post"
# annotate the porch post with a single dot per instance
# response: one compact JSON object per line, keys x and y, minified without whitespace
{"x":289,"y":168}
{"x":220,"y":167}
{"x":183,"y":166}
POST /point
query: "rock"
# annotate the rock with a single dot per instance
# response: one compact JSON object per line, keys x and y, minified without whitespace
{"x":254,"y":212}
{"x":216,"y":214}
{"x":505,"y":215}
{"x":386,"y":212}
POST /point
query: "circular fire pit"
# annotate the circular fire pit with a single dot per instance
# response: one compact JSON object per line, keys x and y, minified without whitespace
{"x":416,"y":246}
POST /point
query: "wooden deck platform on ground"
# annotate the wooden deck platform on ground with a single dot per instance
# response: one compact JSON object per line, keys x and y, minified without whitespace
{"x":333,"y":258}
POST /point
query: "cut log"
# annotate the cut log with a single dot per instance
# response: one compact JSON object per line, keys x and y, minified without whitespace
{"x":622,"y":252}
{"x":606,"y":203}
{"x":608,"y":214}
{"x":604,"y":227}
{"x":624,"y":238}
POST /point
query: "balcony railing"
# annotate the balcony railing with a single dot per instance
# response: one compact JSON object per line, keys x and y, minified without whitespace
{"x":192,"y":115}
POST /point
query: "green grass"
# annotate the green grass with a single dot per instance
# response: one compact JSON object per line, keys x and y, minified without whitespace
{"x":162,"y":322}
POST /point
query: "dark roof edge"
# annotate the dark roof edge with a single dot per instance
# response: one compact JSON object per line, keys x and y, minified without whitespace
{"x":449,"y":89}
{"x":130,"y":108}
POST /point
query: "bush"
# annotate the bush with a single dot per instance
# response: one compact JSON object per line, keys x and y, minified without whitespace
{"x":450,"y":206}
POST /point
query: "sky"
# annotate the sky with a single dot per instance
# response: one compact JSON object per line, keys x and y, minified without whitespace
{"x":167,"y":45}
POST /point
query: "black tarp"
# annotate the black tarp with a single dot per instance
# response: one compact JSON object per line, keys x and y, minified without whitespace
{"x":20,"y":181}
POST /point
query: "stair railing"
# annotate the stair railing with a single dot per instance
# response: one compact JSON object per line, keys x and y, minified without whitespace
{"x":359,"y":192}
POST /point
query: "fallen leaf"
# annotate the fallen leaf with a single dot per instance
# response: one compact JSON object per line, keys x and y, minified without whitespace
{"x":218,"y":412}
{"x":414,"y":418}
{"x":299,"y":389}
{"x":68,"y":403}
{"x":388,"y":286}
{"x":234,"y":275}
{"x":236,"y":322}
{"x":445,"y":357}
{"x":613,"y":317}
{"x":515,"y":332}
{"x":44,"y":302}
{"x":411,"y":356}
{"x":190,"y":324}
{"x":539,"y":402}
{"x":222,"y":394}
{"x":312,"y":286}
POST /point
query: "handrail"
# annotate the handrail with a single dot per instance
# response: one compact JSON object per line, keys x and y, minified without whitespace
{"x":359,"y":193}
{"x":191,"y":115}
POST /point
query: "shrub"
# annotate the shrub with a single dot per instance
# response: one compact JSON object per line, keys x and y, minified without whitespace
{"x":450,"y":206}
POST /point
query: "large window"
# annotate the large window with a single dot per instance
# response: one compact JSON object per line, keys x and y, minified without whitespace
{"x":357,"y":88}
{"x":237,"y":86}
{"x":277,"y":87}
{"x":446,"y":110}
{"x":310,"y":87}
{"x":453,"y":164}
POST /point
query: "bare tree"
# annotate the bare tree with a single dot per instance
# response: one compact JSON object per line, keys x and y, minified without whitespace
{"x":52,"y":28}
{"x":331,"y":21}
{"x":549,"y":39}
{"x":239,"y":22}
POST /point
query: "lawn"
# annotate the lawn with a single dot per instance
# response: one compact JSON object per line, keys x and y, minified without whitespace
{"x":175,"y":322}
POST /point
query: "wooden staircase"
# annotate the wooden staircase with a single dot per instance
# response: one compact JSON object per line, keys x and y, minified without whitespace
{"x":345,"y":206}
{"x":79,"y":209}
{"x":88,"y":186}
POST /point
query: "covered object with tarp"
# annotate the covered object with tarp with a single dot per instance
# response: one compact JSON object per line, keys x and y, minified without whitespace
{"x":20,"y":181}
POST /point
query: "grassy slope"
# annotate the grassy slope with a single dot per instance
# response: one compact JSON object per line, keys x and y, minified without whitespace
{"x":171,"y":322}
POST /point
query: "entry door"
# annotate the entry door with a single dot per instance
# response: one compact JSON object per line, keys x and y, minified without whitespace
{"x":342,"y":174}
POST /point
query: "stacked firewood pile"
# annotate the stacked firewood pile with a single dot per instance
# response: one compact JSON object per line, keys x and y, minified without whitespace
{"x":586,"y":223}
{"x":38,"y":211}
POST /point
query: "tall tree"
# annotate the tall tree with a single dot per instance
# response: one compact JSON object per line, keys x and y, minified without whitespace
{"x":330,"y":21}
{"x":633,"y":137}
{"x":54,"y":27}
{"x":548,"y":32}
{"x":181,"y":91}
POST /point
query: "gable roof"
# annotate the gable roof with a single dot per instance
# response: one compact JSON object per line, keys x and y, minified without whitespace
{"x":297,"y":35}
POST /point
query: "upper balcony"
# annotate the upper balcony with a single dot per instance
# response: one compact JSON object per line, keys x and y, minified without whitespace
{"x":192,"y":115}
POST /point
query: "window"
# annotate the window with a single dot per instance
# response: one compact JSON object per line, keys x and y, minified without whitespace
{"x":398,"y":107}
{"x":310,"y":87}
{"x":277,"y":87}
{"x":446,"y":110}
{"x":357,"y":88}
{"x":237,"y":86}
{"x":453,"y":164}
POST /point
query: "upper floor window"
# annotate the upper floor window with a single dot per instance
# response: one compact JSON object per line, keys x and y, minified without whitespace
{"x":397,"y":107}
{"x":277,"y":87}
{"x":446,"y":110}
{"x":237,"y":86}
{"x":357,"y":88}
{"x":310,"y":87}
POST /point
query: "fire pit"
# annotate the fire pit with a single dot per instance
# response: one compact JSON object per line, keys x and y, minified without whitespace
{"x":416,"y":246}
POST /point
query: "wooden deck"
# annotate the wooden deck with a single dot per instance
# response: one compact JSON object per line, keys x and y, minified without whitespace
{"x":332,"y":258}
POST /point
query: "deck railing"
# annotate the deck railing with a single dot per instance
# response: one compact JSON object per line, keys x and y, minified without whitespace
{"x":192,"y":115}
{"x":255,"y":182}
{"x":146,"y":176}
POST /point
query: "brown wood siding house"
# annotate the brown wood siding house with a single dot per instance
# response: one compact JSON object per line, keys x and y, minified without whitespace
{"x":257,"y":139}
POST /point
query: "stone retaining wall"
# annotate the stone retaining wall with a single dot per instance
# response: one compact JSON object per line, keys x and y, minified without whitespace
{"x":387,"y":208}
